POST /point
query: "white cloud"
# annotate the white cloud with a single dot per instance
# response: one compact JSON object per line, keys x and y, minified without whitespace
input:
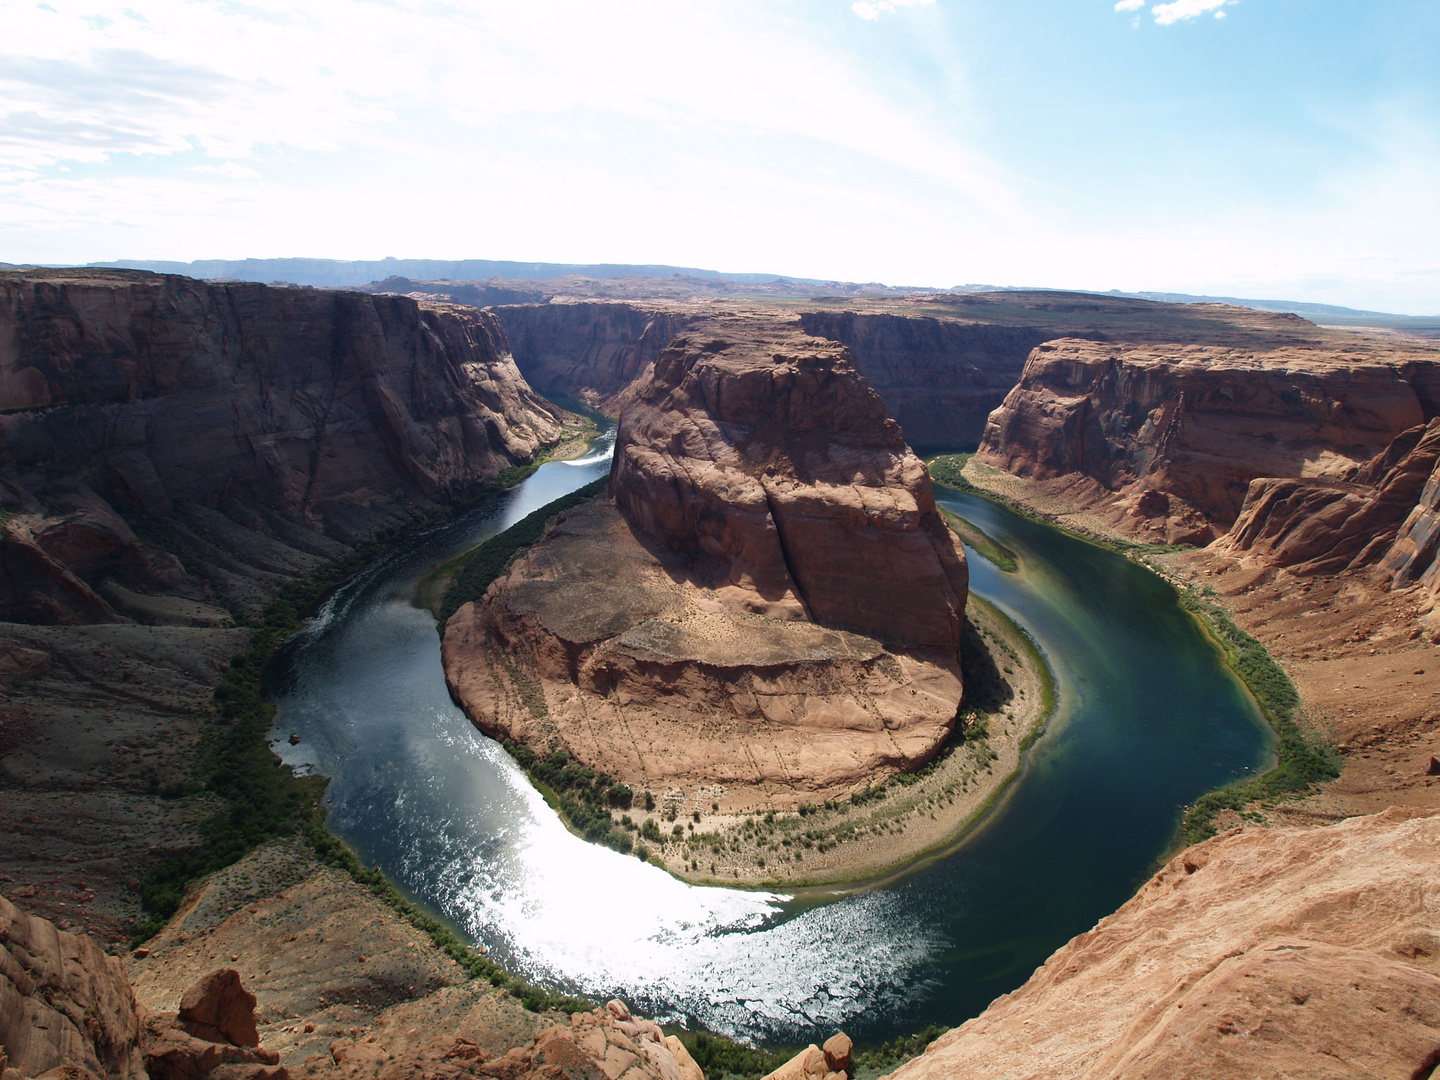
{"x":1130,"y":5}
{"x":1165,"y":14}
{"x":873,"y":9}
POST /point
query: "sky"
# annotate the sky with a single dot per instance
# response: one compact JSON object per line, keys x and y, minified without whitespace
{"x":1257,"y":148}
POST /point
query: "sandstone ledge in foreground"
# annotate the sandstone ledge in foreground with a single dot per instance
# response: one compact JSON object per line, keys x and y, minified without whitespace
{"x":1303,"y":952}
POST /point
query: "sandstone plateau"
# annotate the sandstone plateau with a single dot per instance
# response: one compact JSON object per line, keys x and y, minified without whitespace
{"x":770,"y":605}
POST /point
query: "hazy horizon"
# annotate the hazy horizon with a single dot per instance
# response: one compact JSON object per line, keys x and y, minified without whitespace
{"x":1241,"y":148}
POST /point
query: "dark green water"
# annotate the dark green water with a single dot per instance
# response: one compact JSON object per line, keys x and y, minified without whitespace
{"x":1148,"y":719}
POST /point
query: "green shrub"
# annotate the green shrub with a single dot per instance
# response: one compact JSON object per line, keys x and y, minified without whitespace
{"x":897,"y":1051}
{"x":1300,"y":762}
{"x":491,"y":558}
{"x":718,"y":1056}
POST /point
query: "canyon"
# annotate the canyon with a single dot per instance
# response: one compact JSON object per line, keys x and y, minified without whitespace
{"x":172,"y":452}
{"x":768,"y":605}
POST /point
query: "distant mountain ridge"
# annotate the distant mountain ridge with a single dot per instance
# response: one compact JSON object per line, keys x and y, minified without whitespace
{"x":341,"y":272}
{"x":353,"y":273}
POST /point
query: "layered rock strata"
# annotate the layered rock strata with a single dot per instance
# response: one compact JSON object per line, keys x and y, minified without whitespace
{"x":940,"y":379}
{"x":770,"y":606}
{"x":1318,"y":526}
{"x":1288,"y":952}
{"x":1170,"y":437}
{"x":590,"y":350}
{"x":298,"y":416}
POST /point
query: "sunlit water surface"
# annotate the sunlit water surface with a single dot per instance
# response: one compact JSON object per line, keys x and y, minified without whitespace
{"x":1148,"y":719}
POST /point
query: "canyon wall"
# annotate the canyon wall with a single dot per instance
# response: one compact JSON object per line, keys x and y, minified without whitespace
{"x":940,"y":379}
{"x":770,"y":609}
{"x":591,"y":350}
{"x":189,"y":410}
{"x":1177,"y":433}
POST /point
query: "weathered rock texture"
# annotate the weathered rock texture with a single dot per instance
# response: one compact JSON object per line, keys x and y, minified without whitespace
{"x":775,"y":608}
{"x":63,"y":1001}
{"x":1304,"y":953}
{"x":1171,"y":437}
{"x":765,"y":453}
{"x":606,"y":1044}
{"x":1319,"y":526}
{"x":245,"y":427}
{"x":830,"y":1062}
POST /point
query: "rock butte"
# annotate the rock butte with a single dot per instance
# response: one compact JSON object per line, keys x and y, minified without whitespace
{"x":770,"y":604}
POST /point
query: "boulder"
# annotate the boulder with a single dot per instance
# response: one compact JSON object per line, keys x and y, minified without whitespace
{"x":218,"y":1008}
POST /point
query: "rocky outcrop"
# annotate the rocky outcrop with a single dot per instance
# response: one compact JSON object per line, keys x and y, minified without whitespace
{"x":1319,"y":527}
{"x":1179,"y":433}
{"x":765,"y":454}
{"x":590,"y":350}
{"x":1412,"y":557}
{"x":828,"y":1062}
{"x":133,"y":398}
{"x":1302,"y":952}
{"x":940,"y":379}
{"x":214,"y":1035}
{"x":64,"y":1002}
{"x":771,"y":605}
{"x":605,"y":1044}
{"x":67,"y":1010}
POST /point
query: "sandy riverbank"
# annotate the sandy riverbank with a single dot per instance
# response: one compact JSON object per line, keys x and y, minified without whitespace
{"x":1008,"y":698}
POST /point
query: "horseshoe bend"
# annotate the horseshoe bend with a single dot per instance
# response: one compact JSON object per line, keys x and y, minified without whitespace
{"x":763,"y":612}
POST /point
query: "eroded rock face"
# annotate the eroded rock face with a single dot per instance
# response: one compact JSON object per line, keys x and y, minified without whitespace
{"x":592,"y":350}
{"x":1305,"y":952}
{"x":770,"y":609}
{"x":1317,"y":527}
{"x":592,"y":632}
{"x":151,"y":395}
{"x":64,"y":1001}
{"x":940,"y":379}
{"x":764,"y":452}
{"x":1189,"y":427}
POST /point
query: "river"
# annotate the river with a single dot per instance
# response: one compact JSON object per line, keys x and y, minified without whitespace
{"x":1148,"y":718}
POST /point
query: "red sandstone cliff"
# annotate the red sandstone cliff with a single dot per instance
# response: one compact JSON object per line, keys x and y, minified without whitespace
{"x":299,"y":415}
{"x":1176,"y":434}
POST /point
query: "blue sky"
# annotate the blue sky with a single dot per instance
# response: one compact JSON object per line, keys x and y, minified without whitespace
{"x":1267,"y":148}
